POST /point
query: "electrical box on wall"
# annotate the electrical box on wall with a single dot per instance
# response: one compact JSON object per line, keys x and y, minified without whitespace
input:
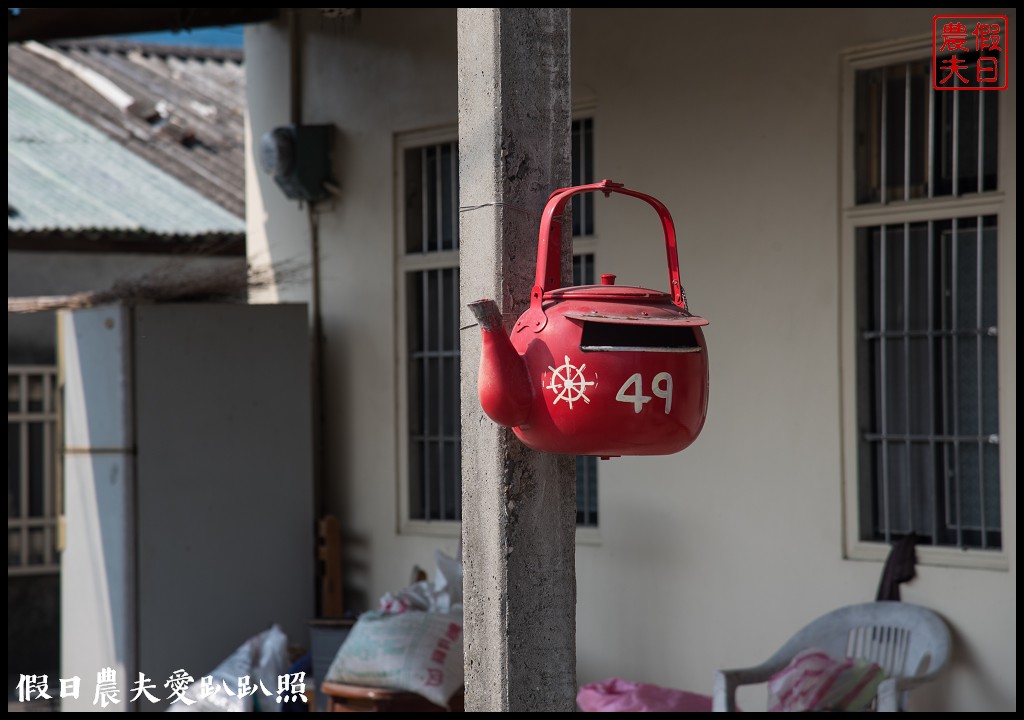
{"x":298,"y":158}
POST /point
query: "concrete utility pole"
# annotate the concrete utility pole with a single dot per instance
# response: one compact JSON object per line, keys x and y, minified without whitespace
{"x":518,"y":506}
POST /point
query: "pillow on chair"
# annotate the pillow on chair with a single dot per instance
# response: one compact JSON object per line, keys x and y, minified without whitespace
{"x":815,"y":681}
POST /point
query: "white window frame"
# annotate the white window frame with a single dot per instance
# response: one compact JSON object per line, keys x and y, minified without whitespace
{"x":405,"y":263}
{"x":1000,"y":203}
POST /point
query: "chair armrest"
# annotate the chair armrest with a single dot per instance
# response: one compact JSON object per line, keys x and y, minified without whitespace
{"x":892,"y":692}
{"x":723,"y":696}
{"x":888,"y":696}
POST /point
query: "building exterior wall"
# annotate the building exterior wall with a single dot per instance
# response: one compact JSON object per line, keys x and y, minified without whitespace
{"x":712,"y":557}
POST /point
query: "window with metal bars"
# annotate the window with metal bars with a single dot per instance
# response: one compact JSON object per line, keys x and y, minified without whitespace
{"x":583,"y":174}
{"x":926,"y":311}
{"x":430,"y":273}
{"x":912,"y":141}
{"x":32,"y":470}
{"x":583,"y":274}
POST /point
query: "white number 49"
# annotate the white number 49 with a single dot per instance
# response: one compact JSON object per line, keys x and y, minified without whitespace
{"x":661,"y":387}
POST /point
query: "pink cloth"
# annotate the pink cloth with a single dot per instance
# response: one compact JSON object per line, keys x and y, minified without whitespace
{"x":815,"y":681}
{"x":618,"y":695}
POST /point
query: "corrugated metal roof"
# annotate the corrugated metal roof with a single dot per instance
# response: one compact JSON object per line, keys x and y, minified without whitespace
{"x":64,"y":174}
{"x":180,"y":108}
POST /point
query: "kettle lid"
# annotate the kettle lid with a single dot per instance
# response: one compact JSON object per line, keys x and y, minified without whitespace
{"x":635,"y":305}
{"x":609,"y":293}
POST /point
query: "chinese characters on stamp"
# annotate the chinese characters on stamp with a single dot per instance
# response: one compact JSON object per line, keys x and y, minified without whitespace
{"x":969,"y":52}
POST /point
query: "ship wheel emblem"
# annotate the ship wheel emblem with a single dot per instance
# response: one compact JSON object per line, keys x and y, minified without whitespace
{"x":569,"y":383}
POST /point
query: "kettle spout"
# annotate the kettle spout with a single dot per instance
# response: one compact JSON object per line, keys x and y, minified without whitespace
{"x":503,"y":384}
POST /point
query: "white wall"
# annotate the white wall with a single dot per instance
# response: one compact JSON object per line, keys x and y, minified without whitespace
{"x":714,"y":556}
{"x":392,"y":72}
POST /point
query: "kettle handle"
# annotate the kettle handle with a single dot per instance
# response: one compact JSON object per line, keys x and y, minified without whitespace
{"x":549,"y":248}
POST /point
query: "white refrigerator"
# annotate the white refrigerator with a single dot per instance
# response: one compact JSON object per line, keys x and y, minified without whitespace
{"x":188,"y":491}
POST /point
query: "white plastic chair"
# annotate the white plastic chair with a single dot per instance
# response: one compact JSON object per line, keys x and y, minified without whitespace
{"x":911,"y":643}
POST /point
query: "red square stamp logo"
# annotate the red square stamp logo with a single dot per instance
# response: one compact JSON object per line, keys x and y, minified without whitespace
{"x":969,"y":52}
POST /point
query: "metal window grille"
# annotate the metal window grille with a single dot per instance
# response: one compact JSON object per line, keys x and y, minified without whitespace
{"x":32,"y":465}
{"x":586,"y":491}
{"x":586,"y":465}
{"x":583,"y":274}
{"x":582,"y":174}
{"x":432,"y":198}
{"x":929,"y":454}
{"x":927,"y":343}
{"x":432,"y":316}
{"x":431,"y":277}
{"x":912,"y":141}
{"x":583,"y":269}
